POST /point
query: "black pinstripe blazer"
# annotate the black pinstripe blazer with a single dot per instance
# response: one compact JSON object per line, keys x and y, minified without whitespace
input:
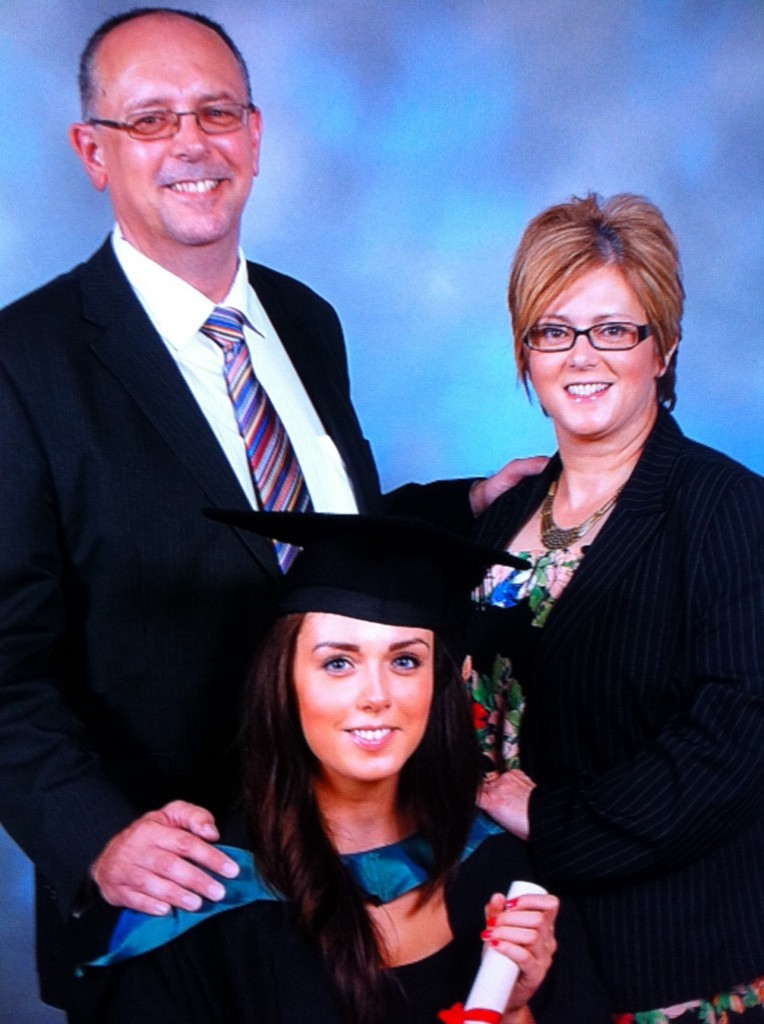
{"x":644,"y":726}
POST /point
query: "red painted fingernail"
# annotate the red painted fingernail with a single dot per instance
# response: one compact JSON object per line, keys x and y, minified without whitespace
{"x":511,"y":904}
{"x":485,"y":934}
{"x":490,"y":922}
{"x":494,"y":942}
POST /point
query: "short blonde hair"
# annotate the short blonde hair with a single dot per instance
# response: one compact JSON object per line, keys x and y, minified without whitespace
{"x":568,"y":240}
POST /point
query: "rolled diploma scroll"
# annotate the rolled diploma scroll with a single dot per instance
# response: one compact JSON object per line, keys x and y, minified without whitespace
{"x":497,"y":974}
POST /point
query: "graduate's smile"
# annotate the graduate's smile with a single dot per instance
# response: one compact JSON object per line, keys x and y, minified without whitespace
{"x":363,"y":691}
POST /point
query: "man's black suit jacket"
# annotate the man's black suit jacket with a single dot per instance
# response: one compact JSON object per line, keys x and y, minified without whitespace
{"x":127,"y":619}
{"x":644,"y":725}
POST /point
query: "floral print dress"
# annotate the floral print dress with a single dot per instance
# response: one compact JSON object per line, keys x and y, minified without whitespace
{"x":496,"y":694}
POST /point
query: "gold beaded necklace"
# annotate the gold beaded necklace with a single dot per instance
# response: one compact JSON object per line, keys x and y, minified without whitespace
{"x":553,"y":536}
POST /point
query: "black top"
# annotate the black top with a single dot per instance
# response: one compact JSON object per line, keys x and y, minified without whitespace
{"x":250,"y":965}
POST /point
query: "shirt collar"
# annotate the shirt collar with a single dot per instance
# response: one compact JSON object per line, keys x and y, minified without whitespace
{"x":176,"y":308}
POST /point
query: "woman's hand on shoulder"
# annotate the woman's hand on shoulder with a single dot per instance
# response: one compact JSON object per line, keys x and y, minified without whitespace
{"x":522,"y":929}
{"x":505,"y":798}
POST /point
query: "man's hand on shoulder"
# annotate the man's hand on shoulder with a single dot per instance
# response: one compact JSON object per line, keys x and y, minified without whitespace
{"x":485,"y":492}
{"x":162,"y":860}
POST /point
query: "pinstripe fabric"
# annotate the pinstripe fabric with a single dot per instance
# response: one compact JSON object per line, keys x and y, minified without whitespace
{"x":644,"y":726}
{"x":276,"y":473}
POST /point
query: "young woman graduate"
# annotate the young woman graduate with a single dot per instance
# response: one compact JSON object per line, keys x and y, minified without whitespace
{"x":369,"y":884}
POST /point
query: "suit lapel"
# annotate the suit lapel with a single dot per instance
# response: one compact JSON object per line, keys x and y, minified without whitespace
{"x":501,"y":521}
{"x":624,"y":537}
{"x":325,"y":385}
{"x":633,"y":522}
{"x":127,"y":343}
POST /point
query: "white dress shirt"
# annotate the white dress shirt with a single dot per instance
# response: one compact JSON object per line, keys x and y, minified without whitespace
{"x":177,"y":311}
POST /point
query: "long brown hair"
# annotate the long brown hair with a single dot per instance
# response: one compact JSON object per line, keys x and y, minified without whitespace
{"x":292,"y":851}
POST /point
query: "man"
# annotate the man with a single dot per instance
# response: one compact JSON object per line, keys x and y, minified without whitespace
{"x":127,"y":620}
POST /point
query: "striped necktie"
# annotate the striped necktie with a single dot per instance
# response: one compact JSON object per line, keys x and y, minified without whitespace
{"x":276,"y":474}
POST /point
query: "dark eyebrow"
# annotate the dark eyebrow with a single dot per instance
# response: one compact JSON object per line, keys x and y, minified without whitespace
{"x":410,"y":643}
{"x":338,"y":645}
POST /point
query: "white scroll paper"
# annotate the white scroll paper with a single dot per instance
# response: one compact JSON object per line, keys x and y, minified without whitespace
{"x":497,"y":974}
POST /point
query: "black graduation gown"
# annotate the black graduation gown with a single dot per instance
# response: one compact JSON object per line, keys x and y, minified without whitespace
{"x":249,"y":965}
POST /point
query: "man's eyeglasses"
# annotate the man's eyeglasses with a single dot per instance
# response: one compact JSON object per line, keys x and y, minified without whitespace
{"x":607,"y":337}
{"x":212,"y":118}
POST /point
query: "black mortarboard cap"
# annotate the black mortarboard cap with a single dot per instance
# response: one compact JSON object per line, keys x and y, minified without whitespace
{"x":390,"y":569}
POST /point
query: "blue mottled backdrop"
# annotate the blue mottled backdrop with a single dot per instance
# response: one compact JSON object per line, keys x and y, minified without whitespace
{"x":406,"y":144}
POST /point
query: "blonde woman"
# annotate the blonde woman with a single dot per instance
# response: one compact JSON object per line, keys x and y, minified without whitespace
{"x":633,"y":648}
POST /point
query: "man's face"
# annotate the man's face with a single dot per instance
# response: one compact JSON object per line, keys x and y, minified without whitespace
{"x":188,"y":190}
